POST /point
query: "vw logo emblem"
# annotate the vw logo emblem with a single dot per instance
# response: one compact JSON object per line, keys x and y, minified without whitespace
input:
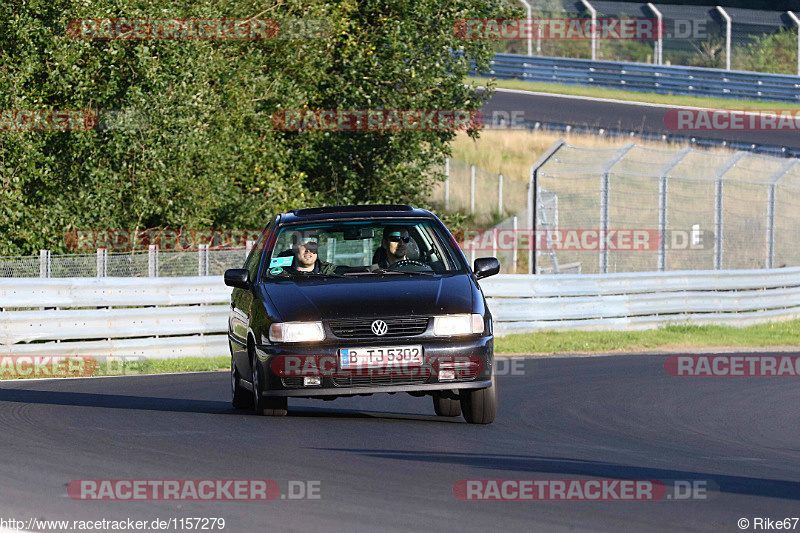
{"x":379,"y":327}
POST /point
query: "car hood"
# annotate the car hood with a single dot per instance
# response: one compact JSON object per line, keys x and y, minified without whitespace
{"x":374,"y":296}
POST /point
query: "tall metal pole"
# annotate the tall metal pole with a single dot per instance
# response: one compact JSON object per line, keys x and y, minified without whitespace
{"x":659,"y":53}
{"x":797,"y":23}
{"x":728,"y":23}
{"x":530,"y":21}
{"x":593,"y":11}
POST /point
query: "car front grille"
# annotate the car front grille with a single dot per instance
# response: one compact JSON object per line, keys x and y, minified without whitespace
{"x":293,"y":382}
{"x":365,"y":381}
{"x":362,"y":328}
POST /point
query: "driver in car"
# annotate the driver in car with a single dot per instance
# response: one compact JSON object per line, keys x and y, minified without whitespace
{"x":394,"y":247}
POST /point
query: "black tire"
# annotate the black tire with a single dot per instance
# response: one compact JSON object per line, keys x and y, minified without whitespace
{"x":240,"y":398}
{"x":446,"y":406}
{"x":269,"y":405}
{"x":480,"y":406}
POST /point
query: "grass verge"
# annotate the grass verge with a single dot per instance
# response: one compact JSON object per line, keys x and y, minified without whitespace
{"x":672,"y":338}
{"x":633,"y":96}
{"x":23,"y":368}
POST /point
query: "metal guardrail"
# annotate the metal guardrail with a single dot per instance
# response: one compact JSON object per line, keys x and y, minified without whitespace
{"x":691,"y":81}
{"x":117,"y":317}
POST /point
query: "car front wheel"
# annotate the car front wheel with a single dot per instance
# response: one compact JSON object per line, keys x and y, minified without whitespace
{"x":446,"y":406}
{"x":480,"y":406}
{"x":239,"y":396}
{"x":269,"y":406}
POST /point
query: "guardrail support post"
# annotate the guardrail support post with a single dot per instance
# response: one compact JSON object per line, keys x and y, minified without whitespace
{"x":728,"y":23}
{"x":152,"y":261}
{"x":44,"y":263}
{"x":102,"y":262}
{"x":533,"y":183}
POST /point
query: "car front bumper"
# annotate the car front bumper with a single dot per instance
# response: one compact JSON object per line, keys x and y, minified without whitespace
{"x":479,"y":350}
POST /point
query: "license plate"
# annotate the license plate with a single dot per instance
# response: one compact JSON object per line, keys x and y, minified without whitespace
{"x":380,"y":357}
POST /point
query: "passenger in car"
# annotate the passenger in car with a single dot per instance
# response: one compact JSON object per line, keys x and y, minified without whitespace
{"x":306,"y":259}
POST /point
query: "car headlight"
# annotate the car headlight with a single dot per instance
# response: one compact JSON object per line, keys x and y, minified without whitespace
{"x":296,"y":332}
{"x":452,"y":325}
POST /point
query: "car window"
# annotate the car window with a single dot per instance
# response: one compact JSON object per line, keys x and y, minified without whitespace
{"x":354,"y":246}
{"x":253,"y":260}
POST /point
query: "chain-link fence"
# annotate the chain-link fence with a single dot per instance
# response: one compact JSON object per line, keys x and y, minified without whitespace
{"x":152,"y":263}
{"x":646,"y":209}
{"x":487,"y":197}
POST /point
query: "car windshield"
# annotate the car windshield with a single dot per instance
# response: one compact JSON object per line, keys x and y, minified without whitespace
{"x":364,"y":248}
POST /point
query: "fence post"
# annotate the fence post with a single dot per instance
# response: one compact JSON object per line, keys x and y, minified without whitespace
{"x":102,"y":262}
{"x":248,"y":247}
{"x":152,"y":261}
{"x":719,"y":227}
{"x":44,"y":263}
{"x":663,"y":197}
{"x":447,"y":184}
{"x":605,"y":185}
{"x":472,"y":190}
{"x":773,"y":182}
{"x":516,"y":240}
{"x":202,"y":260}
{"x":533,"y":183}
{"x":500,"y":195}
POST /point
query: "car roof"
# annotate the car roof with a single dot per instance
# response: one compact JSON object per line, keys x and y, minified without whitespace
{"x":350,"y":212}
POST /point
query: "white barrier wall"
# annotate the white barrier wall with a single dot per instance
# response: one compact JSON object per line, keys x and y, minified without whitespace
{"x":176,"y":317}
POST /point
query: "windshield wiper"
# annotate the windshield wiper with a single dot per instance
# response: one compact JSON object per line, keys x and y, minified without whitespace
{"x":309,"y":275}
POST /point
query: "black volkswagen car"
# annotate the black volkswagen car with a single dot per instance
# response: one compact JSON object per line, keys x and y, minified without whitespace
{"x":357,"y":300}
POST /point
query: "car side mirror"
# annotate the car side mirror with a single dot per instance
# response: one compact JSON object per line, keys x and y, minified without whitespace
{"x":486,"y":266}
{"x":238,"y":278}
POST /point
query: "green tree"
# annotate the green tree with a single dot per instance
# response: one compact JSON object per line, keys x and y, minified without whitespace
{"x":185,"y":138}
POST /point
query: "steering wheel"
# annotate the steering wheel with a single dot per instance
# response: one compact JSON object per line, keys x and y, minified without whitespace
{"x":409,"y":262}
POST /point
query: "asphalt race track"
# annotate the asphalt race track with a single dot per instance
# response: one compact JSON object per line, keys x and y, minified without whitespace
{"x":386,"y":463}
{"x":617,"y":115}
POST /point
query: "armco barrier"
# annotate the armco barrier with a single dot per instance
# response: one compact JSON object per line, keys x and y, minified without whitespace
{"x":692,"y":81}
{"x":174,"y":317}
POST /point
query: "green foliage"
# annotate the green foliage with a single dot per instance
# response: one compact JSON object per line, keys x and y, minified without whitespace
{"x":775,"y":53}
{"x":185,"y":138}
